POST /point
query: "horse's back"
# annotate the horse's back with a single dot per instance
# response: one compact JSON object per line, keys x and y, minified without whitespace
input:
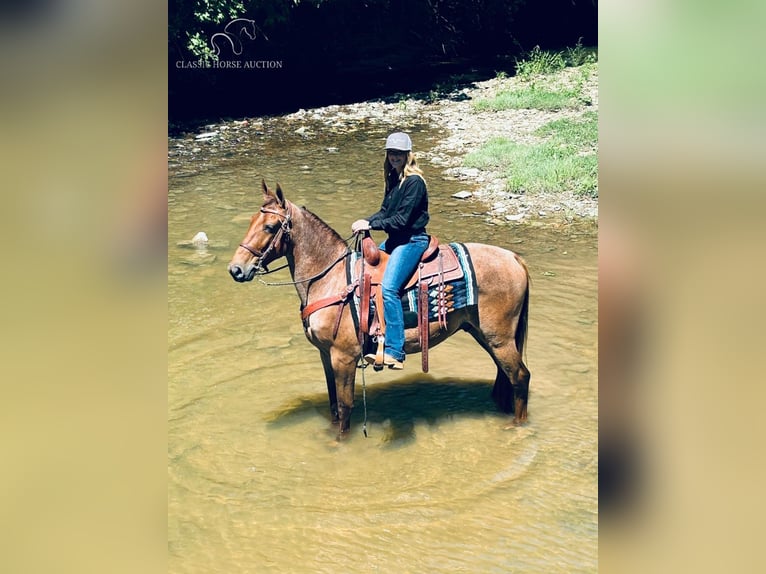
{"x":496,"y":266}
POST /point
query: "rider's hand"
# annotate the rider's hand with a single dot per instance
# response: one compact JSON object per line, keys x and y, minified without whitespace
{"x":360,"y":225}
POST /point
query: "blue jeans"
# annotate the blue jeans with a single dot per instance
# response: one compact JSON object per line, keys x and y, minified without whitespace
{"x":402,"y":263}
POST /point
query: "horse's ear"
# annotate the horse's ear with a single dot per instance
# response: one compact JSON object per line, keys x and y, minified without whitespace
{"x":280,"y":196}
{"x":266,"y":192}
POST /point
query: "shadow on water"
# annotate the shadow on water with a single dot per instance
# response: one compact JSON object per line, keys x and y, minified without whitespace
{"x":398,"y":405}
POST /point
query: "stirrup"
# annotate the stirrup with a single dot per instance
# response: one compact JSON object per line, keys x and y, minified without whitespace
{"x":379,"y":355}
{"x":388,"y":361}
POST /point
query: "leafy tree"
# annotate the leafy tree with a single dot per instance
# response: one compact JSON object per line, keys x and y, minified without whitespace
{"x":193,"y":22}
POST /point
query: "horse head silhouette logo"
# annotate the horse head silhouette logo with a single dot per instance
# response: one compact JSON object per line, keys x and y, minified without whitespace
{"x":232,"y":34}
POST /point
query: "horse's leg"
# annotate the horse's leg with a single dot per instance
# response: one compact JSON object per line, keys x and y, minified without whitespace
{"x":502,"y":390}
{"x":329,"y":376}
{"x":520,"y":391}
{"x":511,"y":389}
{"x":344,"y":371}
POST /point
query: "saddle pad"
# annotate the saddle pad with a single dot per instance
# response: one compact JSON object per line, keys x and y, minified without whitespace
{"x":460,"y":293}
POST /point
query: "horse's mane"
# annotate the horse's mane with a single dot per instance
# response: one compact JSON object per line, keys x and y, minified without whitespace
{"x":323,"y":230}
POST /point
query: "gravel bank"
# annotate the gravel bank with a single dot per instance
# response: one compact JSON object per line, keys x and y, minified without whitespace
{"x":467,"y":130}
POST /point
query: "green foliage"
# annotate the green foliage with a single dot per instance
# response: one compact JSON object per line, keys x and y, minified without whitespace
{"x":200,"y":47}
{"x":565,"y":160}
{"x":539,"y":63}
{"x":193,"y":22}
{"x":217,"y":11}
{"x":579,"y":55}
{"x":214,"y":12}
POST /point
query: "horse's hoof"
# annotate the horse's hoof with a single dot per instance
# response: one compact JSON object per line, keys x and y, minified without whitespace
{"x":341,"y":436}
{"x":515,"y":423}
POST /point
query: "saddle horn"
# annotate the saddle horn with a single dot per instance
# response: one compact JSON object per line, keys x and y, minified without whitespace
{"x":370,"y":250}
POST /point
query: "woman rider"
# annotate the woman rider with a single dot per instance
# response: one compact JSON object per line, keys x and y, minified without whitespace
{"x":403,"y":216}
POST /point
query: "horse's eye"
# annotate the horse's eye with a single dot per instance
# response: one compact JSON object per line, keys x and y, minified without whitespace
{"x":271,"y":227}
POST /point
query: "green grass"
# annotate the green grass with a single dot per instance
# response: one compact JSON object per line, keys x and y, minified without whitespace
{"x":532,"y":97}
{"x":581,"y":133}
{"x":564,"y":161}
{"x":542,"y":86}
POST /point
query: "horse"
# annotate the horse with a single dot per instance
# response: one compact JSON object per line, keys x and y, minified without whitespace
{"x":314,"y":252}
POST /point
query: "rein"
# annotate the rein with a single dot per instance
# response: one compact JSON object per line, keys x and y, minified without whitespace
{"x":322,"y":273}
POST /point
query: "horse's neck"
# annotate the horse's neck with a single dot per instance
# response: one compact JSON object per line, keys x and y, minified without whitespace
{"x":314,"y":250}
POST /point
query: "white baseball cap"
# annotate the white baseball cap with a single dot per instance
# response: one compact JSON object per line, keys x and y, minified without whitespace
{"x":399,"y":141}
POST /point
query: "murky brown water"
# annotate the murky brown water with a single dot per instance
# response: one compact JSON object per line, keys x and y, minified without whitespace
{"x":256,"y":481}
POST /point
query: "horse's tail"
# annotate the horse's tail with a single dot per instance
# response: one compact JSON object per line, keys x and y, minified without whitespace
{"x":521,"y":329}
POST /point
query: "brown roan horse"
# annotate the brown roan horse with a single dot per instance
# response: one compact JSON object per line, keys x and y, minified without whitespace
{"x":315,"y":255}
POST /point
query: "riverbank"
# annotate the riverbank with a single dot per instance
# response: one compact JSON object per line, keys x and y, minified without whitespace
{"x":466,"y":129}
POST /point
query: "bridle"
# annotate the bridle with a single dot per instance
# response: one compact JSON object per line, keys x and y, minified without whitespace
{"x":284,"y":229}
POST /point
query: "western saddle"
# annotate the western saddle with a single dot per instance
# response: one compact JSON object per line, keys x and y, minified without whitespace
{"x":438,"y":266}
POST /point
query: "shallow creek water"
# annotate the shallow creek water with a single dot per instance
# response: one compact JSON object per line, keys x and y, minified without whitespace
{"x":443,"y":483}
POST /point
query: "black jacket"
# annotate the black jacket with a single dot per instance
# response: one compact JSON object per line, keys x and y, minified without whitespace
{"x":404,"y":211}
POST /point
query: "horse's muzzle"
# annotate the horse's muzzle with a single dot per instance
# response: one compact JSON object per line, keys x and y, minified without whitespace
{"x":241,"y":275}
